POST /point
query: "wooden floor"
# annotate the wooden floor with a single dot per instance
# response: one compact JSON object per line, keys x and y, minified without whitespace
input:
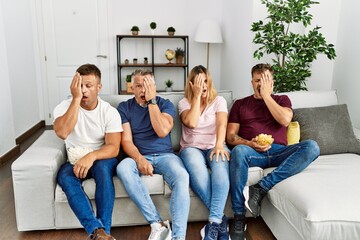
{"x":256,"y":229}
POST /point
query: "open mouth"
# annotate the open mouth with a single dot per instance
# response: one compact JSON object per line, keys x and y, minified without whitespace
{"x":142,"y":98}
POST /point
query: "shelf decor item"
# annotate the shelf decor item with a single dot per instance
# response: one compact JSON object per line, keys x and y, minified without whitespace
{"x":146,"y":60}
{"x":156,"y":65}
{"x":135,"y":30}
{"x":171,"y":31}
{"x":168,"y":84}
{"x":135,"y":61}
{"x":153,"y":27}
{"x":128,"y":83}
{"x":179,"y":55}
{"x":169,"y":54}
{"x":126,"y":61}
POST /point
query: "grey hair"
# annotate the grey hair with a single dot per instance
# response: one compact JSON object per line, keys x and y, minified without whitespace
{"x":142,"y":72}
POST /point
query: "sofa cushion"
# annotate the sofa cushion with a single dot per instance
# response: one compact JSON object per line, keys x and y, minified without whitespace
{"x":330,"y":127}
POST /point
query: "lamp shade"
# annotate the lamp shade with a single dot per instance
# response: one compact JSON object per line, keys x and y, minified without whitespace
{"x":208,"y":32}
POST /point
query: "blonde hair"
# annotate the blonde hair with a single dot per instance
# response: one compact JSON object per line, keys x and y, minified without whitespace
{"x":212,"y":93}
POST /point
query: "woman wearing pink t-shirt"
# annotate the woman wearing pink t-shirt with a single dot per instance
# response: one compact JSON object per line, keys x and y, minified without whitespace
{"x":204,"y":120}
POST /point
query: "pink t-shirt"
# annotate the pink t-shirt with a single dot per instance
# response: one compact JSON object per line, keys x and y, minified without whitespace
{"x":204,"y":135}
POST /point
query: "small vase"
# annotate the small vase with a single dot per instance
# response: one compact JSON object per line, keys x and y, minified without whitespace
{"x":171,"y":33}
{"x":152,"y":31}
{"x":168,"y":89}
{"x":128,"y":87}
{"x":179,"y":59}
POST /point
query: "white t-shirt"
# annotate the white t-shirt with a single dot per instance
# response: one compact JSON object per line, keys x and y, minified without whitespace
{"x":204,"y":135}
{"x":91,"y":126}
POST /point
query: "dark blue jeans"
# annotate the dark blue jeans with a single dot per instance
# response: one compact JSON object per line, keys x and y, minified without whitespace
{"x":288,"y":160}
{"x":102,"y":171}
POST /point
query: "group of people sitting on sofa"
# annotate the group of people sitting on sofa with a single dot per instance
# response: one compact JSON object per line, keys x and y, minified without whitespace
{"x":142,"y":126}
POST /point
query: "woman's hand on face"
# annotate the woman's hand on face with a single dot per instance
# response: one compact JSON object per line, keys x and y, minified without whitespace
{"x":197,"y":86}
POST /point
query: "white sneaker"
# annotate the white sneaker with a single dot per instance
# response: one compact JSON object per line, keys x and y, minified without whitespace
{"x":159,"y":232}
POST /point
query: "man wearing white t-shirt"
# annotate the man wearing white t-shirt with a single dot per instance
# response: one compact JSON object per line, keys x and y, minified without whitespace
{"x":92,"y":130}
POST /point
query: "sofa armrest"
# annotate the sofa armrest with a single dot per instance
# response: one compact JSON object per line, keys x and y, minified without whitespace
{"x":357,"y":132}
{"x":34,"y":181}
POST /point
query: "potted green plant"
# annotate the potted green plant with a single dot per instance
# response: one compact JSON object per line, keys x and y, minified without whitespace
{"x":153,"y":27}
{"x":179,"y":55}
{"x":128,"y":83}
{"x":168,"y":84}
{"x":146,"y":60}
{"x":135,"y":60}
{"x":293,"y":52}
{"x":135,"y":30}
{"x":171,"y":31}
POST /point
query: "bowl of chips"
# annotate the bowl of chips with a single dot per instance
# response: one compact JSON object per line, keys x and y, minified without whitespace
{"x":264,"y":139}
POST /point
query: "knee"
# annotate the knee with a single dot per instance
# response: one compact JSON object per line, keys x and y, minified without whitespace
{"x":182,"y":177}
{"x":123,"y":169}
{"x":313,"y":148}
{"x":239,"y":154}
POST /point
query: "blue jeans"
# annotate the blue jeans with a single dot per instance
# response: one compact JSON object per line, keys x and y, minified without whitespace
{"x":211,"y":187}
{"x":288,"y":160}
{"x":174,"y":173}
{"x":102,"y":171}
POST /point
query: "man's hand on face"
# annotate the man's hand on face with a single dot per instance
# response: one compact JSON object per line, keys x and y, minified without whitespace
{"x":150,"y":87}
{"x":267,"y":84}
{"x":75,"y":86}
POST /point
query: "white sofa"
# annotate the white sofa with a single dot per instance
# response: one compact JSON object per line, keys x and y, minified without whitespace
{"x":319,"y":203}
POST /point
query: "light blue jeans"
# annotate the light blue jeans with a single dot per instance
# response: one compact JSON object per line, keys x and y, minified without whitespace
{"x":288,"y":160}
{"x":211,"y":187}
{"x":102,"y":171}
{"x":174,"y":173}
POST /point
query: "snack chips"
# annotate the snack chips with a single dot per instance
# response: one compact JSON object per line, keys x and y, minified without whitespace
{"x":264,"y":139}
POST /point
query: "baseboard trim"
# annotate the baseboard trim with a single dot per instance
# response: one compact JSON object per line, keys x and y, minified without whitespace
{"x":16,"y":151}
{"x":13,"y":153}
{"x":23,"y":137}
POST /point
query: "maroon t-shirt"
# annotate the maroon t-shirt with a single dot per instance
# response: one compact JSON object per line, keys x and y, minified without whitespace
{"x":254,"y":118}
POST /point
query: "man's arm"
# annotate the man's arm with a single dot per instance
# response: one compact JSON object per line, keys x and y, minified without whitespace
{"x":232,"y":136}
{"x":282,"y":115}
{"x":219,"y":151}
{"x":132,"y":151}
{"x":162,"y":123}
{"x":109,"y":150}
{"x":234,"y":139}
{"x":64,"y":124}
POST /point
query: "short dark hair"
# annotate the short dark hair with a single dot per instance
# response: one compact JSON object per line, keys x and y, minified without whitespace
{"x":89,"y":69}
{"x":261,"y":67}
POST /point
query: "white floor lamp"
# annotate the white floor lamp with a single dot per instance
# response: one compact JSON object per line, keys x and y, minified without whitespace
{"x":208,"y":32}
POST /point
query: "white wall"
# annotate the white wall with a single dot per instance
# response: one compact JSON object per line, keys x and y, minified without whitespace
{"x":184,"y":16}
{"x":346,"y":76}
{"x":6,"y":120}
{"x":18,"y":72}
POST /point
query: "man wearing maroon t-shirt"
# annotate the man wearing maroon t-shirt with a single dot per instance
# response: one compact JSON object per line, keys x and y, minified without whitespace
{"x":261,"y":113}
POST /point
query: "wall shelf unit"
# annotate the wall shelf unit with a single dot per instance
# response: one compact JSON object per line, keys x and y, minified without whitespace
{"x":158,"y":46}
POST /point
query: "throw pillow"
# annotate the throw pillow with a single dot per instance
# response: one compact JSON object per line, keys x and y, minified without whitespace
{"x":293,"y":133}
{"x":330,"y":127}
